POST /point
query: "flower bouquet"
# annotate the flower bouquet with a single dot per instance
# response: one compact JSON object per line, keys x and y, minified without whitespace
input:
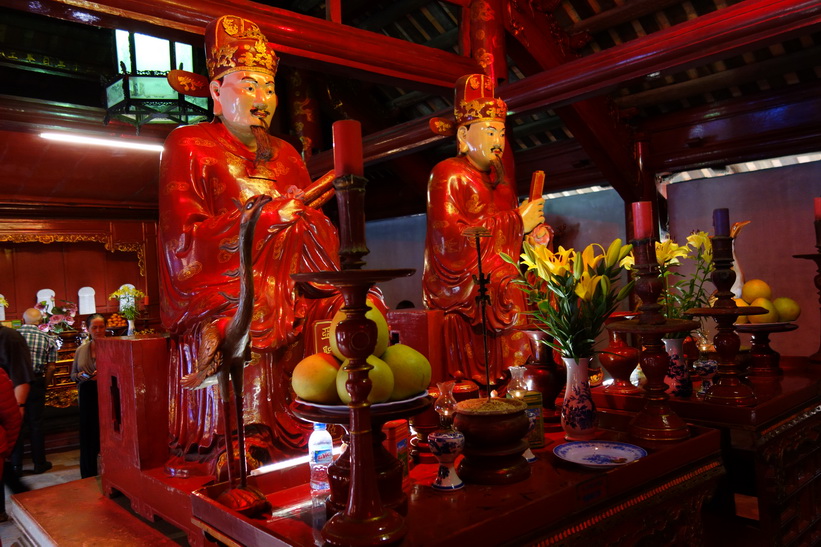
{"x":127,"y":296}
{"x":573,"y":294}
{"x":57,"y":319}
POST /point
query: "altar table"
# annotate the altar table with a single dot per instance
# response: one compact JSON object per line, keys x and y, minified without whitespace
{"x":656,"y":499}
{"x":771,"y":450}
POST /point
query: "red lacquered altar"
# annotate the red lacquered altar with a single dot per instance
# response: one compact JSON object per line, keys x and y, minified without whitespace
{"x":658,"y":496}
{"x":771,"y":449}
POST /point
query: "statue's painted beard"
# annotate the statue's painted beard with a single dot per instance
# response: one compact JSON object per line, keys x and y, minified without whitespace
{"x":264,"y":150}
{"x":497,"y":171}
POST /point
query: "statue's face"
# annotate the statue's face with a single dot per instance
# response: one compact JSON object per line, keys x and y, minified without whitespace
{"x":482,"y":142}
{"x":244,"y":99}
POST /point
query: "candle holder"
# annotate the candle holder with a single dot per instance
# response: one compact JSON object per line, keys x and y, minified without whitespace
{"x":816,"y":257}
{"x":365,"y":520}
{"x":657,"y":421}
{"x":764,"y":361}
{"x":728,"y":387}
{"x":350,"y":193}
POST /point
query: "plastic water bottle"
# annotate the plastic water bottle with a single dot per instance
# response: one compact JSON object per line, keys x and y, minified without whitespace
{"x":320,"y":453}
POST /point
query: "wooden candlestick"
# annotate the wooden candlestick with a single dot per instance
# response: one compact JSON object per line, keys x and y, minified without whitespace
{"x":816,"y":257}
{"x":729,"y":387}
{"x":365,"y":521}
{"x":350,"y":199}
{"x":657,"y":421}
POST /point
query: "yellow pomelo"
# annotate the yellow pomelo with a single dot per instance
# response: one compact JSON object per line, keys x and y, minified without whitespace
{"x":755,"y":288}
{"x":770,"y":317}
{"x":411,"y":371}
{"x":788,"y":309}
{"x":741,"y":304}
{"x":314,"y":379}
{"x":381,"y":328}
{"x":381,"y":381}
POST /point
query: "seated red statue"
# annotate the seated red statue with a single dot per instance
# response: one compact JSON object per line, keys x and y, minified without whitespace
{"x":208,"y":171}
{"x":471,"y":191}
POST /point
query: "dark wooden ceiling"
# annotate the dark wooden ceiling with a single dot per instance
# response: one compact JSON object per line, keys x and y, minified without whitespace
{"x":689,"y":83}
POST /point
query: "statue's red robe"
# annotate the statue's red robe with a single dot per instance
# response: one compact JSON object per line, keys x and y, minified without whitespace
{"x":206,"y":173}
{"x":460,"y":196}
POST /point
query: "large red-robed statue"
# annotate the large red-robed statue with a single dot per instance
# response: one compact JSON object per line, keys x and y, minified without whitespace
{"x":471,"y":191}
{"x":209,"y":170}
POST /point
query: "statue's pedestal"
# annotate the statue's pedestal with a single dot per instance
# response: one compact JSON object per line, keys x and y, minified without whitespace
{"x":133,"y":395}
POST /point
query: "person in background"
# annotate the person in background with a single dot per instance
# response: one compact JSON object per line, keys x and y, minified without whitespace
{"x":43,"y":349}
{"x":84,"y":372}
{"x":472,"y":190}
{"x":15,"y":361}
{"x":10,"y":420}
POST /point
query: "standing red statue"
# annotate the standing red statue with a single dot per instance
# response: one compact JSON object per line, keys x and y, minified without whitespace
{"x":471,"y":191}
{"x":208,"y":171}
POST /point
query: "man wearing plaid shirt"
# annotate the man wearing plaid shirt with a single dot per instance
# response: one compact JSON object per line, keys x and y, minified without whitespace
{"x":43,"y":348}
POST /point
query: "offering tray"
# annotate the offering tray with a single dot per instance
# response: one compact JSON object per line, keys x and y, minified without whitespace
{"x":765,"y":360}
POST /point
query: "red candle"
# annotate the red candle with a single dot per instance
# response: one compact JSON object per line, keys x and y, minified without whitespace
{"x":347,"y":148}
{"x":817,"y":208}
{"x":642,"y":219}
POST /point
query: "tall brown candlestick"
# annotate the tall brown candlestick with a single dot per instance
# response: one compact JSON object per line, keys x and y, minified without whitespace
{"x":816,"y":257}
{"x":729,"y":386}
{"x":657,"y":421}
{"x":350,"y":199}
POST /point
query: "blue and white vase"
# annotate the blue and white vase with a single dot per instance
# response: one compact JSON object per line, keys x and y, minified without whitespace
{"x":446,"y":445}
{"x":678,"y":375}
{"x":578,"y":410}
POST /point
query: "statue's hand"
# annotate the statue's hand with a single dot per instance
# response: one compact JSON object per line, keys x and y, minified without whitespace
{"x":532,"y":213}
{"x":282,"y":212}
{"x":294,"y":192}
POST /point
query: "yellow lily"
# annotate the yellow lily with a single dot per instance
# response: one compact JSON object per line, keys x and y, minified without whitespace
{"x":702,"y":239}
{"x":589,"y":257}
{"x":668,"y":252}
{"x":586,"y":286}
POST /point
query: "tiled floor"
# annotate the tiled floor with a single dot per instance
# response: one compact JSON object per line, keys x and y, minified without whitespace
{"x":66,"y":468}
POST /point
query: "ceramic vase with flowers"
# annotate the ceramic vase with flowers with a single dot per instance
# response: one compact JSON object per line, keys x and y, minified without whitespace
{"x":127,"y":296}
{"x":573,"y":294}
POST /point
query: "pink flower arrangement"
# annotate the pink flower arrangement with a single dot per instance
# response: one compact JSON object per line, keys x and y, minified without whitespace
{"x":59,"y":319}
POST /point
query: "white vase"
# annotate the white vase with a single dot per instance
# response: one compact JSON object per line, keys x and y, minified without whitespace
{"x":578,"y":410}
{"x":131,"y":328}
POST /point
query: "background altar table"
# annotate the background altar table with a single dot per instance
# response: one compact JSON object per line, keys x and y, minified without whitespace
{"x":657,"y":499}
{"x":771,"y":450}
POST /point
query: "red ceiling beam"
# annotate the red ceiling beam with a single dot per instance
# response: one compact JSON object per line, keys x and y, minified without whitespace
{"x":593,"y":121}
{"x":292,"y":34}
{"x":718,"y":35}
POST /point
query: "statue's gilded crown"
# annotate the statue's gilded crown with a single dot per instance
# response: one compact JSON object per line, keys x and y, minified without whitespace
{"x":473,"y":102}
{"x":233,"y":44}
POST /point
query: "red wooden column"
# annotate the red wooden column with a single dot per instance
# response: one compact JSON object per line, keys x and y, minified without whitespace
{"x":486,"y":38}
{"x":305,"y":115}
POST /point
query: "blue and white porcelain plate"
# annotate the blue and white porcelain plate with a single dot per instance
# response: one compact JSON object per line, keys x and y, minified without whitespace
{"x":599,"y":454}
